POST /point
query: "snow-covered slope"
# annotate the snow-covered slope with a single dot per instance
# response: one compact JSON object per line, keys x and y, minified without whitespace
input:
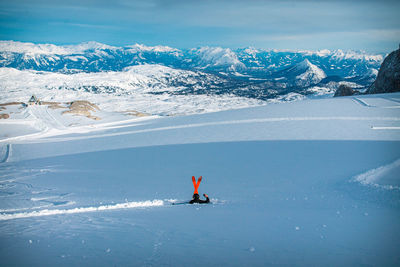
{"x":304,"y":183}
{"x":355,"y":118}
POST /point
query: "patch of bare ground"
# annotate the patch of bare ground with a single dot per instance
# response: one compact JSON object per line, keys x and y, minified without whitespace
{"x":4,"y":107}
{"x":53,"y":105}
{"x":4,"y":116}
{"x":11,"y":104}
{"x":136,"y":113}
{"x":82,"y":108}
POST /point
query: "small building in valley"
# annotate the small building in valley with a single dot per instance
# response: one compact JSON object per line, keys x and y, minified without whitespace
{"x":34,"y":101}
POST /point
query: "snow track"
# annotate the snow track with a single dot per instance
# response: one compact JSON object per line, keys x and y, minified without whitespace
{"x":219,"y":123}
{"x":347,"y":118}
{"x":42,"y":114}
{"x":361,"y":102}
{"x":386,"y":127}
{"x":393,"y":99}
{"x":39,"y":121}
{"x":378,"y":102}
{"x":7,"y":152}
{"x":46,"y":212}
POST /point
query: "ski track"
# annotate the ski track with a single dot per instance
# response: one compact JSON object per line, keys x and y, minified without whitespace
{"x":385,"y":127}
{"x":362,"y":102}
{"x":49,"y":132}
{"x":46,"y":212}
{"x":229,"y":122}
{"x":365,"y":104}
{"x":57,"y":132}
{"x":6,"y":154}
{"x":49,"y":126}
{"x":21,"y":209}
{"x":392,"y":99}
{"x":18,"y":121}
{"x":6,"y":215}
{"x":46,"y":119}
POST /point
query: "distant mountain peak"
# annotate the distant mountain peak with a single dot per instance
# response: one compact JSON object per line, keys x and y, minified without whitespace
{"x":312,"y":74}
{"x":303,"y":73}
{"x":217,"y":56}
{"x":305,"y":64}
{"x":91,"y":45}
{"x":158,"y":48}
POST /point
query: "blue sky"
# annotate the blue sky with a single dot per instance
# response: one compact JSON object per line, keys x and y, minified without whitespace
{"x":287,"y":24}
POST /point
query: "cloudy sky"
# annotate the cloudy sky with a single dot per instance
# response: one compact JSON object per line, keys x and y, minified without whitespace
{"x":286,"y":24}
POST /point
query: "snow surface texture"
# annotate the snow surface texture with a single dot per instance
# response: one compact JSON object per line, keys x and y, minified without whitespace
{"x":386,"y":176}
{"x":311,"y":182}
{"x":46,"y":212}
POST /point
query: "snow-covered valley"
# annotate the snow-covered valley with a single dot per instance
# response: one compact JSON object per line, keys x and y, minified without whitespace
{"x":313,"y":182}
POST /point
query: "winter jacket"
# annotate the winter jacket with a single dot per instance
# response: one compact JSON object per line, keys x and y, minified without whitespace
{"x":196,"y":199}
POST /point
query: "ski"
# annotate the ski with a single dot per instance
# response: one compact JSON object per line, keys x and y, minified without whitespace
{"x":180,"y":203}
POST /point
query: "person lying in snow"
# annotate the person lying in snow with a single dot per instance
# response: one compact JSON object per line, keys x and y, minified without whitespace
{"x":196,"y":196}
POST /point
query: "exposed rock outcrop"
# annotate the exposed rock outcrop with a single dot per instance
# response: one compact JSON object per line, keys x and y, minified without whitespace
{"x":83,"y":108}
{"x":11,"y":104}
{"x":4,"y":116}
{"x":388,"y":79}
{"x":136,"y":113}
{"x":345,"y":90}
{"x":53,"y":105}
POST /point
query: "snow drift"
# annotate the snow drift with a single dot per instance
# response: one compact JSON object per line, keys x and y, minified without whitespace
{"x":46,"y":212}
{"x":387,"y":176}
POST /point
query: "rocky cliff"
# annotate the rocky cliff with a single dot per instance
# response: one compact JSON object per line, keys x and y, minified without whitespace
{"x":388,"y":79}
{"x":345,"y":90}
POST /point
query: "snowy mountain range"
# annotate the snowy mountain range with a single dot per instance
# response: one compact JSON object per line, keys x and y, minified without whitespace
{"x":93,"y":56}
{"x":245,"y":73}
